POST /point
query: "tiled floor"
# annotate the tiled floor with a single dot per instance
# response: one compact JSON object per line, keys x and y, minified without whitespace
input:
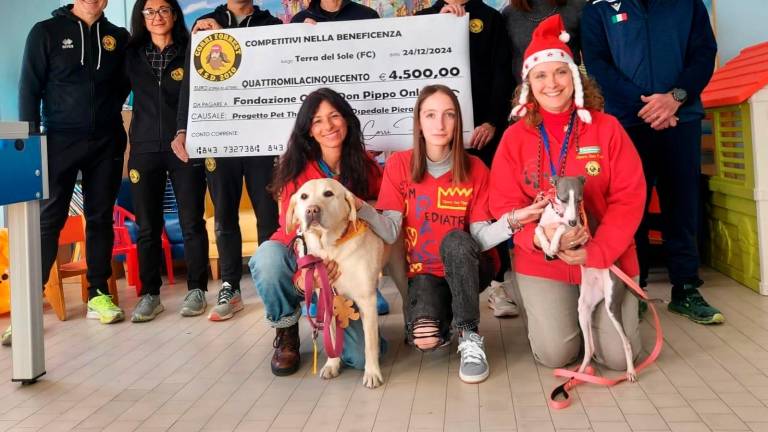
{"x":189,"y":374}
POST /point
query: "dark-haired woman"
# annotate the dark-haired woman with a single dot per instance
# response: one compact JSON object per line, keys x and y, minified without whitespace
{"x":439,"y":195}
{"x":522,"y":17}
{"x":326,"y":142}
{"x":155,"y":67}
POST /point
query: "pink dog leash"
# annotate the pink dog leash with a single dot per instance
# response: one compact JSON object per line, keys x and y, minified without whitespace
{"x":324,"y":306}
{"x":576,"y":378}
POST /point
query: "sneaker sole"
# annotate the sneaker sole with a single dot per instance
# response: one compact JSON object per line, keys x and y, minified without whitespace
{"x":96,"y":316}
{"x":717,"y":318}
{"x":144,"y":318}
{"x":475,"y":379}
{"x":191,"y":313}
{"x":213,"y":316}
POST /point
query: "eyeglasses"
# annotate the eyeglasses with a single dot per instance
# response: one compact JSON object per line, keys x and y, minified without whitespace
{"x":150,"y":14}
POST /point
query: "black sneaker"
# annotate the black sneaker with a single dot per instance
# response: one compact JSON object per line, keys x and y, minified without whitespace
{"x":691,"y":304}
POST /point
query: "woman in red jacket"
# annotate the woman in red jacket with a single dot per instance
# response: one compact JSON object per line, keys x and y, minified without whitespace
{"x":563,"y":132}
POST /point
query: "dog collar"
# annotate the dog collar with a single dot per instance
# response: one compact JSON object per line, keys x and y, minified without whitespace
{"x":353,"y":230}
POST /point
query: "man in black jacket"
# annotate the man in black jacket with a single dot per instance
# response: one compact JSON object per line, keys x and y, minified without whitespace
{"x":73,"y":65}
{"x":225,"y":175}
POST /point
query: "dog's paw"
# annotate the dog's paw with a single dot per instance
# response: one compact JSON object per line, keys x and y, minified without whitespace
{"x":372,"y":379}
{"x":331,"y":370}
{"x":632,"y":376}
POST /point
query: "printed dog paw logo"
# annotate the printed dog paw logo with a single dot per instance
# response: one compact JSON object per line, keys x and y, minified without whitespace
{"x":343,"y":311}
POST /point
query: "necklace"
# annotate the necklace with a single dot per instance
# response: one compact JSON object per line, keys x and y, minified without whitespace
{"x":543,"y":17}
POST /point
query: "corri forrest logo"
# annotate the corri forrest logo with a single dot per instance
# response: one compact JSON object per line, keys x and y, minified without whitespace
{"x":217,"y":57}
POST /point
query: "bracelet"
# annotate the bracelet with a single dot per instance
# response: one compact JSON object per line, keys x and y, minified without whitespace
{"x":179,"y":132}
{"x":514,"y":223}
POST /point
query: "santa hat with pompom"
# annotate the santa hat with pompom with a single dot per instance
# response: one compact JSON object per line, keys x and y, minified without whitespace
{"x":548,"y":44}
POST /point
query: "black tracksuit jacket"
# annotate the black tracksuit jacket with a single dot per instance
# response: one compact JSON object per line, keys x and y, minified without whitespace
{"x":76,"y":72}
{"x":489,"y":64}
{"x":155,"y":101}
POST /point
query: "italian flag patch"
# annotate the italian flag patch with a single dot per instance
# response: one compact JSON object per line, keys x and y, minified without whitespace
{"x":619,"y":18}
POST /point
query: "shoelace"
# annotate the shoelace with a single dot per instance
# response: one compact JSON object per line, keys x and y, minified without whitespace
{"x":225,"y":295}
{"x":103,"y":300}
{"x":471,"y":352}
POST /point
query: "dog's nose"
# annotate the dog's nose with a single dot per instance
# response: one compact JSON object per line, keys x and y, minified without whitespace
{"x":313,"y":211}
{"x":572,"y":222}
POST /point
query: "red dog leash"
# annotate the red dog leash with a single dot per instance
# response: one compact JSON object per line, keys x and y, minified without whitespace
{"x":313,"y":265}
{"x":559,"y":398}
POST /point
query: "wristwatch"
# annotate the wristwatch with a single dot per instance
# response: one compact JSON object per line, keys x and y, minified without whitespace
{"x":678,"y":94}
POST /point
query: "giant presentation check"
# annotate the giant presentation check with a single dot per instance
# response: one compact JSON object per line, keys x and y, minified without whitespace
{"x":247,"y":84}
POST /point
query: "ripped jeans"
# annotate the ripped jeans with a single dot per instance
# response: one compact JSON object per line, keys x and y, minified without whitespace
{"x":452,"y":301}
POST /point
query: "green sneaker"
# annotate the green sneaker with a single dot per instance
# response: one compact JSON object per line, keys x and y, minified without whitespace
{"x":6,"y":337}
{"x":103,"y":309}
{"x":642,"y":308}
{"x":692,"y":305}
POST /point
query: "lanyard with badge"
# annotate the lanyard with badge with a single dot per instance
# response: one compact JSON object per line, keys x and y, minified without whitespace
{"x":563,"y":149}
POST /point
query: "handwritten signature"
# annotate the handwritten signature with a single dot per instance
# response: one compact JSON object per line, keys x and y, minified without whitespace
{"x":401,"y":126}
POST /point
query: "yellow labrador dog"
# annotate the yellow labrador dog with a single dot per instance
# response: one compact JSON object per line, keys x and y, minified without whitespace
{"x":326,"y":212}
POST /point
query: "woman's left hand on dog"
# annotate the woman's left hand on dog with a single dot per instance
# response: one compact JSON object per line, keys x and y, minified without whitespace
{"x":574,"y":239}
{"x":573,"y":257}
{"x":331,"y":267}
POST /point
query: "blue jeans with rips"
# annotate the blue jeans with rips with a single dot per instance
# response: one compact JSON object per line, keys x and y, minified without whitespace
{"x":272,"y":269}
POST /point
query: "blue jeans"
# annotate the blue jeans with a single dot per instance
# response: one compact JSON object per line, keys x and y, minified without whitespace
{"x":272,"y":269}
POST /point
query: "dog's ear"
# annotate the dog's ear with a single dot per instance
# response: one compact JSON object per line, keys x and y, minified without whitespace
{"x":582,"y":179}
{"x":352,"y":201}
{"x":291,"y":222}
{"x":553,"y":180}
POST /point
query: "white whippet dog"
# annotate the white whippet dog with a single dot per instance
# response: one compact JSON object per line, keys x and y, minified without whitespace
{"x":564,"y":209}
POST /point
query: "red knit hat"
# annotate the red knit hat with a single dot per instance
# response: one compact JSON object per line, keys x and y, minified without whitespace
{"x":548,"y":44}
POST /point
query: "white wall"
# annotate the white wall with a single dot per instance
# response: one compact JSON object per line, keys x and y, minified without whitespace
{"x":739,"y":24}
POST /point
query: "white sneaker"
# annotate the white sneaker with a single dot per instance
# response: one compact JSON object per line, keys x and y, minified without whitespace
{"x":473,"y":366}
{"x":499,"y":301}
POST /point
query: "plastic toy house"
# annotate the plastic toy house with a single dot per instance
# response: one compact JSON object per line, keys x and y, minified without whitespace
{"x":736,"y":101}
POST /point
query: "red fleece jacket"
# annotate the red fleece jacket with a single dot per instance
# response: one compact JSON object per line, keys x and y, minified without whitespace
{"x":614,"y":193}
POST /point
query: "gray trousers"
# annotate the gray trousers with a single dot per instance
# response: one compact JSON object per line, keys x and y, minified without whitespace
{"x":549,"y":311}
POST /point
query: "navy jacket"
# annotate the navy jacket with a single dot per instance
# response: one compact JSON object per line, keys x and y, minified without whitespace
{"x":76,"y":72}
{"x":349,"y":11}
{"x":669,"y":44}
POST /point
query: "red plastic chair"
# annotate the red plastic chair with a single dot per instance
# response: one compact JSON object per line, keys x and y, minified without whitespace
{"x":126,"y":247}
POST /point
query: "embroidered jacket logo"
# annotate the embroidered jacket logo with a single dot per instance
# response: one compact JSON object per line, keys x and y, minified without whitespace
{"x":67,"y":44}
{"x":453,"y":198}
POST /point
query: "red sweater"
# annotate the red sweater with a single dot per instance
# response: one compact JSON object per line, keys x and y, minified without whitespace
{"x":311,"y":172}
{"x":614,"y":193}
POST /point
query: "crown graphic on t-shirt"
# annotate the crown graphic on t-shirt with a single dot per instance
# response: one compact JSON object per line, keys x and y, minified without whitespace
{"x":453,"y":198}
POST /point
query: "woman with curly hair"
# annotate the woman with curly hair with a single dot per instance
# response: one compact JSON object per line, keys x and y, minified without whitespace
{"x":563,"y":132}
{"x":326,"y":142}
